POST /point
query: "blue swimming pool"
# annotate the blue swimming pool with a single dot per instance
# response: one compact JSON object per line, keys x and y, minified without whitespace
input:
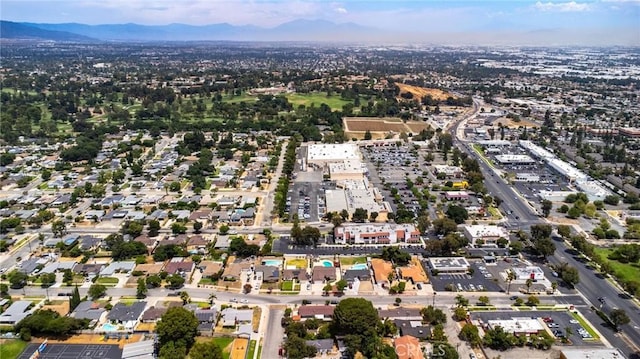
{"x":108,"y":327}
{"x":272,"y":262}
{"x":327,"y":263}
{"x":359,"y":266}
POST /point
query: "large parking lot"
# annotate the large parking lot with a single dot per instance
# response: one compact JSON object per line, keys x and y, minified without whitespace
{"x":463,"y":282}
{"x":555,"y":321}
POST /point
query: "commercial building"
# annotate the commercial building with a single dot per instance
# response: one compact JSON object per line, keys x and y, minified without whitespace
{"x":376,"y":233}
{"x":449,"y":264}
{"x":518,"y":325}
{"x":355,"y":194}
{"x":323,"y":154}
{"x":488,"y":235}
{"x":530,"y":272}
{"x":591,"y":353}
{"x":516,"y":160}
{"x":347,"y":170}
{"x":527,"y":177}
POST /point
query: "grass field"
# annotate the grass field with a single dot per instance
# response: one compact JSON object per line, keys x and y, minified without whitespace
{"x":316,"y":98}
{"x":12,"y":349}
{"x":349,"y":261}
{"x":623,"y":271}
{"x":289,"y":286}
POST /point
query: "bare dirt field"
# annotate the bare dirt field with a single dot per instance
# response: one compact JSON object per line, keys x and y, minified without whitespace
{"x":380,"y":127}
{"x":420,"y":92}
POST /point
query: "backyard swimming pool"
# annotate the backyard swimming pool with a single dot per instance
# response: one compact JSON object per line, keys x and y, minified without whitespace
{"x":359,"y":266}
{"x":327,"y":263}
{"x":272,"y":262}
{"x":108,"y":327}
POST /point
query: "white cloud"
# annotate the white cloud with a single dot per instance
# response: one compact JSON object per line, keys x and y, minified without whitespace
{"x":563,"y":7}
{"x":340,"y":10}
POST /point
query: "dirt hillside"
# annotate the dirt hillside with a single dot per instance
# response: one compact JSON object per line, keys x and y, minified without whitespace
{"x":420,"y":92}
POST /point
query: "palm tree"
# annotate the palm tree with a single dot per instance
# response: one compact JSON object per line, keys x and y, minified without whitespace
{"x":185,"y":297}
{"x":212,"y":297}
{"x":554,"y":286}
{"x":510,"y":277}
{"x":529,"y":283}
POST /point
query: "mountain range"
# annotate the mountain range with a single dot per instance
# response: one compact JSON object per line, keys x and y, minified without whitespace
{"x":297,"y":30}
{"x":317,"y":30}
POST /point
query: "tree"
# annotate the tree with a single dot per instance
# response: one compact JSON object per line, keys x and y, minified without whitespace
{"x":297,"y":348}
{"x":570,"y":275}
{"x":444,"y":226}
{"x":541,"y":231}
{"x":172,"y":350}
{"x":528,"y":283}
{"x":355,"y":316}
{"x":48,"y":322}
{"x":97,"y":290}
{"x":153,"y":281}
{"x":367,"y":135}
{"x":48,"y":279}
{"x":178,"y":228}
{"x":574,"y":212}
{"x":461,"y":301}
{"x":457,"y":213}
{"x":395,"y":255}
{"x":511,"y":276}
{"x":197,"y":226}
{"x":59,"y":228}
{"x":142,"y":289}
{"x":564,"y":231}
{"x":619,"y":317}
{"x":483,"y":299}
{"x":184,"y":296}
{"x":75,"y":299}
{"x":177,"y":325}
{"x":224,"y":229}
{"x":546,"y":207}
{"x":532,"y":300}
{"x":496,"y":338}
{"x":205,"y":350}
{"x":154,"y":228}
{"x":437,"y":333}
{"x":175,"y":281}
{"x":327,"y":288}
{"x":469,"y":333}
{"x":17,"y":279}
{"x":341,"y":285}
{"x":545,"y":247}
{"x":360,"y":215}
{"x":4,"y":289}
{"x":433,"y":315}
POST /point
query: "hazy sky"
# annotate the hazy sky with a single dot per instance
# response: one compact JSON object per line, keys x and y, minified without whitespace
{"x":416,"y":15}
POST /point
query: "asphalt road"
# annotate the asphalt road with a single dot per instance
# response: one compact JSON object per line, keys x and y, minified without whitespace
{"x":273,"y":335}
{"x":592,"y":287}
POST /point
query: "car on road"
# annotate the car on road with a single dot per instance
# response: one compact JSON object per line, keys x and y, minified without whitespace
{"x":513,"y":297}
{"x":234,"y":300}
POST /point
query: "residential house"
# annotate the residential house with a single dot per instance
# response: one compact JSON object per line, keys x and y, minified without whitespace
{"x":415,"y":328}
{"x":149,"y":268}
{"x":350,"y":275}
{"x":197,"y":245}
{"x":88,"y":269}
{"x":89,"y":310}
{"x":210,"y":268}
{"x":232,"y":316}
{"x":153,"y":314}
{"x":127,"y":314}
{"x":381,"y":270}
{"x":16,"y":312}
{"x":149,"y":242}
{"x":270,"y":274}
{"x":89,"y":242}
{"x":323,"y":346}
{"x":297,"y":274}
{"x":323,"y":312}
{"x":321,"y":273}
{"x":400,"y":313}
{"x":179,"y":265}
{"x":118,"y":266}
{"x":234,"y":269}
{"x":207,"y":319}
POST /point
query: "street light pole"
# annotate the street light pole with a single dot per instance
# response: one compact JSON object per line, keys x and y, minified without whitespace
{"x":433,"y":302}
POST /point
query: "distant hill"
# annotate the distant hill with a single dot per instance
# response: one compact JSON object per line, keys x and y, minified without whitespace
{"x":15,"y":30}
{"x":297,"y":30}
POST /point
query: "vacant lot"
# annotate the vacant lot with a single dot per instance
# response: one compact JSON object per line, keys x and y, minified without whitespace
{"x":380,"y":127}
{"x":420,"y":92}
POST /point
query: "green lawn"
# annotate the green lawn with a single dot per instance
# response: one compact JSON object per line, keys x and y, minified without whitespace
{"x":244,"y":97}
{"x":623,"y":271}
{"x":107,"y":281}
{"x":287,"y":285}
{"x":252,"y":349}
{"x":316,"y":98}
{"x":585,"y":325}
{"x":12,"y":349}
{"x":223,"y":343}
{"x":349,"y":261}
